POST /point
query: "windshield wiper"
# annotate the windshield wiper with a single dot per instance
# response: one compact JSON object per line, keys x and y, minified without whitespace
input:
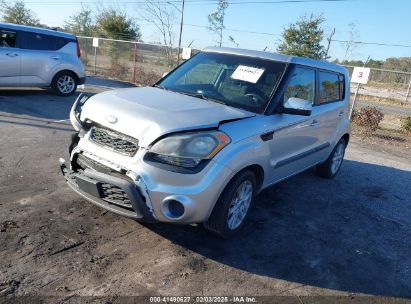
{"x":160,"y":87}
{"x":202,"y":96}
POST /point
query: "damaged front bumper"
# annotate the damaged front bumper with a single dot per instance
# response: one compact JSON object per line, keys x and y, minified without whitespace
{"x":115,"y":194}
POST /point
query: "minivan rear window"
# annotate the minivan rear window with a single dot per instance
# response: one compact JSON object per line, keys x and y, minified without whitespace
{"x":36,"y":41}
{"x":7,"y":39}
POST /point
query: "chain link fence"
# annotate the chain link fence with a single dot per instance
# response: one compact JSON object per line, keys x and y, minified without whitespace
{"x":382,"y":112}
{"x":140,"y":63}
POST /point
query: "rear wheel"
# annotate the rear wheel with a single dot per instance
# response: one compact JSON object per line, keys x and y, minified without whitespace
{"x":233,"y":207}
{"x":64,"y":83}
{"x":332,"y":165}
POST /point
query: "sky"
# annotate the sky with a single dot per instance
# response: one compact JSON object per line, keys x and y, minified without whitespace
{"x":377,"y":21}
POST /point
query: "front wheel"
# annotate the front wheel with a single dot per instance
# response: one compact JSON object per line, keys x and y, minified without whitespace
{"x":64,"y":83}
{"x":233,"y":206}
{"x":332,"y":165}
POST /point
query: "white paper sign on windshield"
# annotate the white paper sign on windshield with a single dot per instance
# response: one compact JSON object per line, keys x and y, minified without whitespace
{"x":248,"y":74}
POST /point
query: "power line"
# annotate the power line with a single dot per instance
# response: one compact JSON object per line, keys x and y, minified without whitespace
{"x":201,"y":2}
{"x":334,"y":40}
{"x":234,"y":30}
{"x":373,"y":43}
{"x":127,"y":36}
{"x":189,"y":2}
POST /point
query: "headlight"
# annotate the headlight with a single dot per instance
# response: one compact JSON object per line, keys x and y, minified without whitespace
{"x":76,"y":111}
{"x":189,"y":149}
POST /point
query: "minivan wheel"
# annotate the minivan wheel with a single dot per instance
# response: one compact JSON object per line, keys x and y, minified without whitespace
{"x":332,"y":165}
{"x":233,"y":207}
{"x":64,"y":83}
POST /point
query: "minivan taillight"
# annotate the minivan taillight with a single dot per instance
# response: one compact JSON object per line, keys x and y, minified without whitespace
{"x":78,"y":49}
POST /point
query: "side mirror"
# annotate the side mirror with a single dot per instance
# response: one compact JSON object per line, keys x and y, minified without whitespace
{"x":297,"y":106}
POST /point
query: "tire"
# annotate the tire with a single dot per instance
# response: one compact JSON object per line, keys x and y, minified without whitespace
{"x":332,"y":165}
{"x":64,"y":83}
{"x":222,"y":222}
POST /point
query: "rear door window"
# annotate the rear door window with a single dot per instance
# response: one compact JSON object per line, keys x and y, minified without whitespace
{"x":331,"y":87}
{"x":36,"y":41}
{"x":7,"y":39}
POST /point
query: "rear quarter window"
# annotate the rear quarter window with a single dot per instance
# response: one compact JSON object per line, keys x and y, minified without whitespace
{"x":36,"y":41}
{"x":331,"y":87}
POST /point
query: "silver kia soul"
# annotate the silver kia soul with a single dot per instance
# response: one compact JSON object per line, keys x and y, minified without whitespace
{"x":36,"y":57}
{"x":199,"y":145}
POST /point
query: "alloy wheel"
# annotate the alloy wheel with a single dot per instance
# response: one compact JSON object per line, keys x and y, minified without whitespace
{"x":240,"y":204}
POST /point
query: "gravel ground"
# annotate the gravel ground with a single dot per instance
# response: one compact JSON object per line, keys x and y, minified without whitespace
{"x":307,"y":236}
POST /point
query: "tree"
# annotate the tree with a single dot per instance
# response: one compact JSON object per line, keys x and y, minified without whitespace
{"x":304,"y":38}
{"x":161,"y":15}
{"x":329,"y":40}
{"x":350,"y":45}
{"x":116,"y":24}
{"x":81,"y":23}
{"x":232,"y":40}
{"x":16,"y":12}
{"x":216,"y":20}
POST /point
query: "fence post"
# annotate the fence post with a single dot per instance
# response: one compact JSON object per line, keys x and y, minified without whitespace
{"x":355,"y":97}
{"x":134,"y":61}
{"x":95,"y":59}
{"x":356,"y":92}
{"x":408,"y":91}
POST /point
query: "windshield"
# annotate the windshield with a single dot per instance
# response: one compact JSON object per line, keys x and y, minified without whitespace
{"x":237,"y":81}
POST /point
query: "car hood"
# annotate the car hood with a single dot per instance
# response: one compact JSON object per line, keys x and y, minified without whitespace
{"x":148,"y":113}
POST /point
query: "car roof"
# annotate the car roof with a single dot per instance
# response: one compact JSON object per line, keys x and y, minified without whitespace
{"x":26,"y":28}
{"x":319,"y":64}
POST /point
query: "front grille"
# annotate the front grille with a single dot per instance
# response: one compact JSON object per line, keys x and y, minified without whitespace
{"x":115,"y":195}
{"x":114,"y":141}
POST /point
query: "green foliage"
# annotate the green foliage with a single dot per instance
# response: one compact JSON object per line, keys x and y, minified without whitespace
{"x":304,"y":38}
{"x":406,"y":124}
{"x":216,"y":20}
{"x":397,"y":64}
{"x":81,"y":23}
{"x":368,"y":119}
{"x":16,"y":12}
{"x":401,"y":64}
{"x":117,"y":25}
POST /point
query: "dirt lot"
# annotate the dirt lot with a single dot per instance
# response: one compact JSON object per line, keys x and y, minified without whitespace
{"x":306,"y":236}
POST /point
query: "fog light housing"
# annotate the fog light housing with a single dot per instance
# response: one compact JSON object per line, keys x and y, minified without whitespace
{"x":173,"y":209}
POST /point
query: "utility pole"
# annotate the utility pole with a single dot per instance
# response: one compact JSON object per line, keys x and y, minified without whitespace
{"x":181,"y":32}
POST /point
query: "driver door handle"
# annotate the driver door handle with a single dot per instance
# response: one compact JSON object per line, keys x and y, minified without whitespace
{"x":12,"y":54}
{"x":267,"y":136}
{"x":314,"y":123}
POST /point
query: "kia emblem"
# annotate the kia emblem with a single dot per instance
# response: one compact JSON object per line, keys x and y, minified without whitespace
{"x":111,"y":119}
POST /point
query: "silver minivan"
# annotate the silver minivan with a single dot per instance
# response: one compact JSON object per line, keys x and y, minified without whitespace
{"x":199,"y":145}
{"x":36,"y":57}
